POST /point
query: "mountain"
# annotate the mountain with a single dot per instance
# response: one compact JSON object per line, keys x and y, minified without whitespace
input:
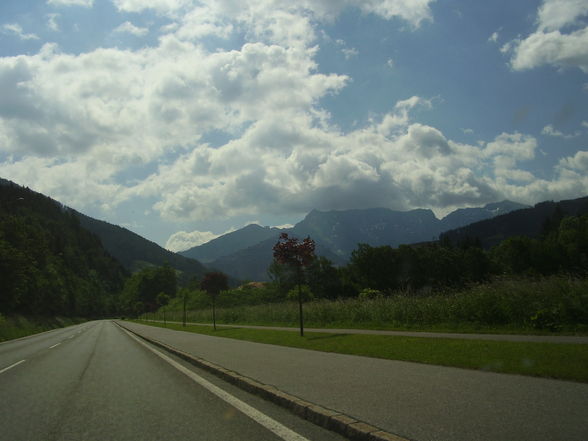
{"x":337,"y":234}
{"x":49,"y":264}
{"x":136,"y":252}
{"x":466,"y":216}
{"x":531,"y":222}
{"x":341,"y":231}
{"x":253,"y":262}
{"x":230,"y":243}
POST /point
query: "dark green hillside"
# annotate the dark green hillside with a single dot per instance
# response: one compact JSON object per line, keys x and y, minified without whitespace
{"x":49,"y":264}
{"x":136,"y":252}
{"x":530,"y":222}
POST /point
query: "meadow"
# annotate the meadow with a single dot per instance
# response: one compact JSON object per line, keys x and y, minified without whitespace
{"x":556,"y":304}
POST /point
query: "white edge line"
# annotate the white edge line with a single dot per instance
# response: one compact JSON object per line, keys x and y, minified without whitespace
{"x":11,"y":366}
{"x":257,"y":416}
{"x":55,"y":345}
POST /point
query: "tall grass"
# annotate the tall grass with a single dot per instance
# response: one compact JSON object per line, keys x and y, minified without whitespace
{"x":16,"y":326}
{"x":551,"y":304}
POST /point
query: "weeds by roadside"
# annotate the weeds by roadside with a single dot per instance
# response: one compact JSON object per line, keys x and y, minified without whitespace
{"x":554,"y":304}
{"x":16,"y":326}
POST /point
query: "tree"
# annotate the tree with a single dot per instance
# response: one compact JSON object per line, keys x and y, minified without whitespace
{"x":323,"y":279}
{"x":297,"y":255}
{"x":213,"y":283}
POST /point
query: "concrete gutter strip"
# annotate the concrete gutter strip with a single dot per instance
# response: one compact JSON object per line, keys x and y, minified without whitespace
{"x":329,"y":419}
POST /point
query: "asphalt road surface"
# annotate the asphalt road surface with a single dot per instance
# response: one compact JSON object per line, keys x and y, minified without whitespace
{"x":416,"y":401}
{"x":96,"y":382}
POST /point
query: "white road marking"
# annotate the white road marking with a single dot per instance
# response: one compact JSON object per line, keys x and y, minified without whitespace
{"x":11,"y":366}
{"x":51,"y":347}
{"x":257,"y":416}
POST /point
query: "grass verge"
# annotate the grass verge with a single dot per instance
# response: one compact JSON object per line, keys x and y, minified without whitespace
{"x":17,"y":326}
{"x":550,"y":360}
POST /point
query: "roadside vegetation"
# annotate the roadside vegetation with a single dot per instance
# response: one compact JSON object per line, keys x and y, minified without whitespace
{"x":556,"y":304}
{"x":16,"y":326}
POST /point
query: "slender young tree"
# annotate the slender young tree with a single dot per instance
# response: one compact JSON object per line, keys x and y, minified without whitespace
{"x":297,"y":255}
{"x":213,"y":283}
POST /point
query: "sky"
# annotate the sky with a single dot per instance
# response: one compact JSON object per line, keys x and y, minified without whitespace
{"x":185,"y":119}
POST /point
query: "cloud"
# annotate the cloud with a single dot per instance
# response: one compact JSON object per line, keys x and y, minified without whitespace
{"x":183,"y":240}
{"x":162,"y":6}
{"x":272,"y":21}
{"x":16,"y":29}
{"x":85,"y":3}
{"x":557,"y":14}
{"x":52,"y":22}
{"x":548,"y":45}
{"x":549,"y":130}
{"x":130,"y":28}
{"x":578,"y":162}
{"x":96,"y":117}
{"x":494,"y":37}
{"x":350,"y":52}
{"x":561,"y":50}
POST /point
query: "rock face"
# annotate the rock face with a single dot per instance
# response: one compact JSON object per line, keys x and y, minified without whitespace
{"x":246,"y":254}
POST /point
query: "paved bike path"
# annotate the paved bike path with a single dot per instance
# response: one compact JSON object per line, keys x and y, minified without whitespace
{"x":416,"y":401}
{"x":577,"y":339}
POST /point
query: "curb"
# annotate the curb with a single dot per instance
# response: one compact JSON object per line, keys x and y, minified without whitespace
{"x":332,"y":420}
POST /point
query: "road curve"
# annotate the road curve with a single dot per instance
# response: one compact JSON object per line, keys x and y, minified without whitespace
{"x":94,"y":382}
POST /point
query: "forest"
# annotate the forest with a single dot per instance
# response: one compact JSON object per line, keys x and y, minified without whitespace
{"x":49,"y":264}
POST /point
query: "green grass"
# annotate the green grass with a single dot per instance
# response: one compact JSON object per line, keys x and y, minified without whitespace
{"x":17,"y":326}
{"x":538,"y":306}
{"x":561,"y":361}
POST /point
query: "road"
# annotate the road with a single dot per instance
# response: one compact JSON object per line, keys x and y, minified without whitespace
{"x":416,"y":401}
{"x":96,"y":382}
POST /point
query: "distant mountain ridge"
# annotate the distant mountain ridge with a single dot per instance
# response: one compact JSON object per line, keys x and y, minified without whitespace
{"x":531,"y":222}
{"x":337,"y":234}
{"x":230,"y":243}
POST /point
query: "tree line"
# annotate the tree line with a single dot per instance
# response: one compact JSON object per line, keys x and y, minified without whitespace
{"x":562,"y":248}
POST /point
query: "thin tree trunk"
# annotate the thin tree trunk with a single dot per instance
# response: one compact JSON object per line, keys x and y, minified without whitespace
{"x":184,"y":315}
{"x":214,"y":312}
{"x":300,"y":304}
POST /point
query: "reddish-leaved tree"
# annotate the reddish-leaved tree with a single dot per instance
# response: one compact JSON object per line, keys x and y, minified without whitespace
{"x":297,"y":255}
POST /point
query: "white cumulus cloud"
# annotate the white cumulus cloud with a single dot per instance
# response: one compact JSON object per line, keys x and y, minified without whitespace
{"x":16,"y":29}
{"x":183,"y":240}
{"x":130,"y":28}
{"x":85,"y":3}
{"x":549,"y":44}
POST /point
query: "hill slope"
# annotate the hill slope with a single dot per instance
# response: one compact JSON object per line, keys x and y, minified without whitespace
{"x":530,"y":222}
{"x":136,"y":252}
{"x":50,"y":264}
